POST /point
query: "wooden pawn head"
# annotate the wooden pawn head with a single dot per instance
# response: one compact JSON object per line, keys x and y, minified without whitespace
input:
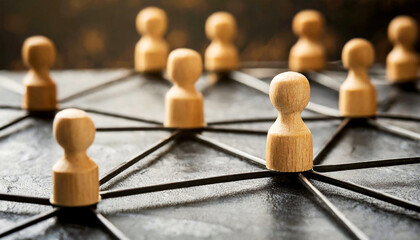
{"x":308,"y":53}
{"x":75,"y":176}
{"x":289,"y":141}
{"x":151,"y":50}
{"x":221,"y":55}
{"x":357,"y":97}
{"x":38,"y":53}
{"x":402,"y":62}
{"x":183,"y":103}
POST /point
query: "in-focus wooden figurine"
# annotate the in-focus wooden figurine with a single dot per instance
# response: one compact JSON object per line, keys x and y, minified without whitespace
{"x":357,"y":97}
{"x":183,"y":103}
{"x":289,"y":141}
{"x":402,"y":62}
{"x":75,"y":176}
{"x":151,"y":50}
{"x":38,"y":53}
{"x":308,"y":53}
{"x":221,"y":55}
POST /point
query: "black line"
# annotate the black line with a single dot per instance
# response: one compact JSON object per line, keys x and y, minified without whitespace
{"x":108,"y":226}
{"x":365,"y":191}
{"x":230,"y":150}
{"x":96,"y":88}
{"x":187,"y":184}
{"x":29,"y":222}
{"x":123,"y":166}
{"x":366,"y":164}
{"x":117,"y":115}
{"x":14,"y":121}
{"x":271,"y":120}
{"x":398,"y":117}
{"x":401,"y":132}
{"x":234,"y":130}
{"x":328,"y":144}
{"x":355,"y":231}
{"x":131,"y":129}
{"x":24,"y":199}
{"x":5,"y":106}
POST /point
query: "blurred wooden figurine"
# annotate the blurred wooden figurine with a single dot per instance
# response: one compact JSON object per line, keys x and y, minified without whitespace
{"x":402,"y":62}
{"x":38,"y":53}
{"x":308,"y":53}
{"x":151,"y":50}
{"x":357,"y":97}
{"x":221,"y":55}
{"x":289,"y":141}
{"x":75,"y":176}
{"x":183,"y":103}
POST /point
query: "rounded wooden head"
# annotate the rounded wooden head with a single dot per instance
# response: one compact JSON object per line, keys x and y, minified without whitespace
{"x":38,"y":52}
{"x":152,"y":21}
{"x":221,"y":25}
{"x":403,"y":29}
{"x":308,"y":23}
{"x":358,"y":53}
{"x":289,"y":92}
{"x":184,"y":66}
{"x":74,"y":130}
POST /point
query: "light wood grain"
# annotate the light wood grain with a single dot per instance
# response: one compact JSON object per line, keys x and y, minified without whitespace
{"x":221,"y":55}
{"x":183,"y":103}
{"x":151,"y":50}
{"x":357,"y":97}
{"x":402,"y":62}
{"x":40,"y":94}
{"x":289,"y":140}
{"x":308,"y":53}
{"x":75,"y":175}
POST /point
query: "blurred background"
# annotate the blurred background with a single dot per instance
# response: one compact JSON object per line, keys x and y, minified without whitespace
{"x":102,"y":34}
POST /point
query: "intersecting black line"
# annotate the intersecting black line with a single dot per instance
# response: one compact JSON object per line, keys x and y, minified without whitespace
{"x":97,"y":87}
{"x":366,"y":164}
{"x":131,"y":129}
{"x":108,"y":226}
{"x":327,"y":145}
{"x":355,"y":231}
{"x":233,"y":130}
{"x":24,"y":199}
{"x":365,"y":191}
{"x":272,"y":119}
{"x":187,"y":184}
{"x":14,"y":121}
{"x":401,"y":132}
{"x":123,"y":166}
{"x":29,"y":222}
{"x":122,"y":116}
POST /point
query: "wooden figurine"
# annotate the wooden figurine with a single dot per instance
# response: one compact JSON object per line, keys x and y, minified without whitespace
{"x":75,"y":176}
{"x":402,"y":62}
{"x":183,"y":103}
{"x":151,"y":50}
{"x":308,"y":53}
{"x":357,"y":96}
{"x":38,"y":53}
{"x":221,"y":55}
{"x":289,"y":141}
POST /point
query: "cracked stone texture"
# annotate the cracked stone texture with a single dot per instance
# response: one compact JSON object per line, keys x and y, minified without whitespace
{"x":253,"y":209}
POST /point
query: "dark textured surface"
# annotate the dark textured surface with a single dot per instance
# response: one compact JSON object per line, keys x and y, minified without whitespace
{"x":252,"y":209}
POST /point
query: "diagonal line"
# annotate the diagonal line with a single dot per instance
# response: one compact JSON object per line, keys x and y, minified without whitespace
{"x":387,"y":103}
{"x":108,"y":226}
{"x":398,"y":117}
{"x":29,"y":222}
{"x":97,"y":88}
{"x":230,"y":150}
{"x":355,"y":231}
{"x":365,"y":191}
{"x":122,"y":116}
{"x":123,"y":166}
{"x":328,"y":144}
{"x":323,"y":80}
{"x":24,"y":199}
{"x":234,"y":130}
{"x":11,"y":85}
{"x":14,"y":121}
{"x":317,"y":108}
{"x":272,"y":119}
{"x":7,"y":106}
{"x":366,"y":164}
{"x":394,"y":130}
{"x":187,"y":184}
{"x":130,"y":129}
